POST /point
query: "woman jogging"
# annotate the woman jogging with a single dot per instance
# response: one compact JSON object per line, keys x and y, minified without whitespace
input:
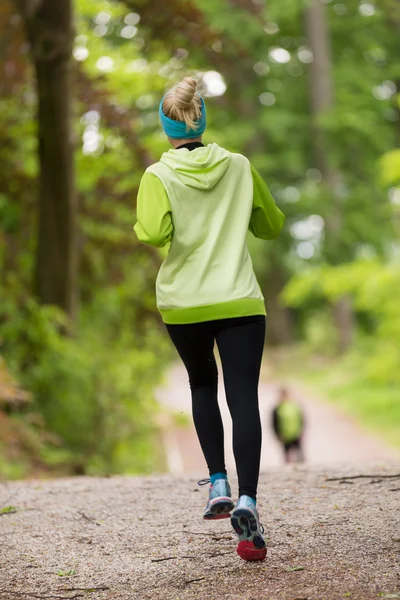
{"x":202,"y":200}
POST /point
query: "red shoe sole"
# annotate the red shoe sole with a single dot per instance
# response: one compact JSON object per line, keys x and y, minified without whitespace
{"x":248,"y":551}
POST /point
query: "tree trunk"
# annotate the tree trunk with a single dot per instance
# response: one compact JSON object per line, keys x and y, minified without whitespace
{"x":279,"y":321}
{"x":49,"y":25}
{"x":343,"y":318}
{"x":322,"y":101}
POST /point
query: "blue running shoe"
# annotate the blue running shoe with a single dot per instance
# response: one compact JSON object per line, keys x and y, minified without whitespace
{"x":246,"y":523}
{"x":219,"y":503}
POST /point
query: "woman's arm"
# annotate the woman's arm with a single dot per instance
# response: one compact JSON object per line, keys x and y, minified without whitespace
{"x":154,"y":216}
{"x":266,"y":219}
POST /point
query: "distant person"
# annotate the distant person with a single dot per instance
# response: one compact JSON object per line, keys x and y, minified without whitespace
{"x":202,"y":200}
{"x":288,"y":424}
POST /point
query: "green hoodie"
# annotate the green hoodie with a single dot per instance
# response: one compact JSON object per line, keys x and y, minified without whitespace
{"x":203,"y":202}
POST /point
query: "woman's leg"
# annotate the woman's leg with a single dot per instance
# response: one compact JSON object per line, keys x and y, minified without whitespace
{"x":195,"y":344}
{"x":241,"y":343}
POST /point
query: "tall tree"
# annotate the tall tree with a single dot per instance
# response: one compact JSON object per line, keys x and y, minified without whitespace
{"x":49,"y":27}
{"x":322,"y":102}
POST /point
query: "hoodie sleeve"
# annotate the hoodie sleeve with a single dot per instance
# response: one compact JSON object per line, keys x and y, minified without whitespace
{"x":154,"y":217}
{"x":266,"y":219}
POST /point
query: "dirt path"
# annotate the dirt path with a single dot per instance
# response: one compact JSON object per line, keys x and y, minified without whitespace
{"x":332,"y":437}
{"x":144,"y":539}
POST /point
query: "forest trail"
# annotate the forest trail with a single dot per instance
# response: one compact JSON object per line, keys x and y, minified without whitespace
{"x":331,"y":436}
{"x":141,"y":538}
{"x":332,"y":529}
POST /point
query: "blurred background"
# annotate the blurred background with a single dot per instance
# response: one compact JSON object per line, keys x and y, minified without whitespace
{"x":309,"y":91}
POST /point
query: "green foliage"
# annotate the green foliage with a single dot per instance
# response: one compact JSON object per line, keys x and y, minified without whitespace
{"x":374,"y":288}
{"x":390,"y":167}
{"x":7,"y":510}
{"x":320,"y":333}
{"x":93,"y":408}
{"x":93,"y":386}
{"x":365,"y":381}
{"x":67,"y":573}
{"x":94,"y":390}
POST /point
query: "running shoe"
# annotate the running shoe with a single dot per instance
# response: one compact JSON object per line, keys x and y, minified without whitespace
{"x":219,"y":503}
{"x":246,"y":523}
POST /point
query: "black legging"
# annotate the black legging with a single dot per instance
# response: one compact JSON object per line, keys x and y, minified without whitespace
{"x":240,"y":343}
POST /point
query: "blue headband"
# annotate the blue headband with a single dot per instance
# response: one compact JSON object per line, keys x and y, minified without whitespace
{"x":178,"y":129}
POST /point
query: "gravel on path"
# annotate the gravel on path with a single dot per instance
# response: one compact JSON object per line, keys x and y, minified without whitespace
{"x":128,"y":538}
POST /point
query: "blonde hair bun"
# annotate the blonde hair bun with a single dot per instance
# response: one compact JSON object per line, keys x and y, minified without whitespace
{"x":184,"y":92}
{"x":183,"y":104}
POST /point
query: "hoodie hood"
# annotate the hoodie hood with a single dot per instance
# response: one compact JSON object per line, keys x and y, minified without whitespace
{"x":200,"y":168}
